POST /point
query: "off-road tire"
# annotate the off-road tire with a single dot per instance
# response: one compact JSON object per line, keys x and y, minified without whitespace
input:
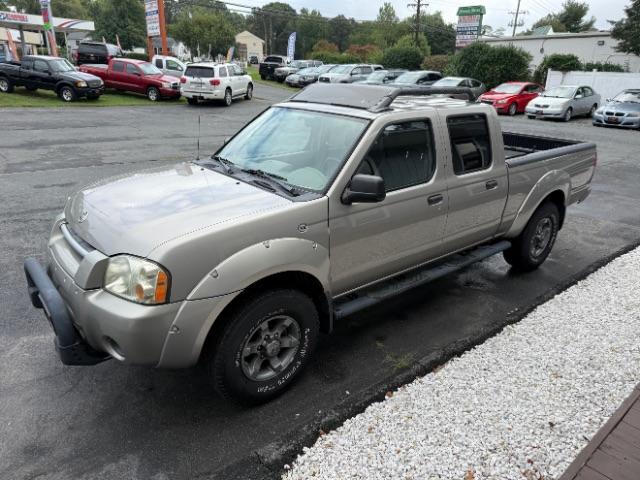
{"x":153,"y":94}
{"x":67,"y":94}
{"x":522,"y":255}
{"x":225,"y":359}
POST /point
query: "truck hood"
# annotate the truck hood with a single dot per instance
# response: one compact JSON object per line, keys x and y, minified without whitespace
{"x":135,"y":213}
{"x":162,"y":78}
{"x":87,"y":77}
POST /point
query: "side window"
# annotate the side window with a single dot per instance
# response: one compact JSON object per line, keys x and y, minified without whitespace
{"x":159,"y":63}
{"x":131,"y":69}
{"x":434,"y":76}
{"x":474,"y":83}
{"x":579,"y":92}
{"x":587,"y":92}
{"x":356,"y":71}
{"x":222,"y":72}
{"x":403,"y":155}
{"x":366,"y":70}
{"x":470,"y":143}
{"x":171,"y":65}
{"x":40,"y":66}
{"x":118,"y":67}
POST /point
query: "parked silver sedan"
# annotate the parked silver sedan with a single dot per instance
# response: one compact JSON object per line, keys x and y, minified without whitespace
{"x":623,"y":110}
{"x":476,"y":86}
{"x":564,"y":102}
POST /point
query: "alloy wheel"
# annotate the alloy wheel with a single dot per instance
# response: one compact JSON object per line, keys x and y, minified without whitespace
{"x":4,"y":85}
{"x":541,"y":237}
{"x":67,"y":94}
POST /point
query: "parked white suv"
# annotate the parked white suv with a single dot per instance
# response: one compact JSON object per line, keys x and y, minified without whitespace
{"x":215,"y":81}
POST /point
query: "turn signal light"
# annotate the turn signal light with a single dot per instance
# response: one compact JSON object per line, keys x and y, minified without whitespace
{"x":183,"y":79}
{"x":162,"y":286}
{"x":215,"y":82}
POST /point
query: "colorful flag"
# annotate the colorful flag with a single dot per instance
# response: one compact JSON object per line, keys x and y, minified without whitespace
{"x":230,"y":53}
{"x":13,"y":51}
{"x":291,"y":46}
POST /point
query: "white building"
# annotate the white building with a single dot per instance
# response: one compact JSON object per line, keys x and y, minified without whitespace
{"x":249,"y":45}
{"x":588,"y":46}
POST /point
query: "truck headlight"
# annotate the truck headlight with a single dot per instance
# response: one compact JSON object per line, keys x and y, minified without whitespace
{"x":166,"y":85}
{"x":81,"y":84}
{"x":137,"y":280}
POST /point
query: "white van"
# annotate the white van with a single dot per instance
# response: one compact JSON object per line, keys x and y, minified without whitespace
{"x":215,"y":81}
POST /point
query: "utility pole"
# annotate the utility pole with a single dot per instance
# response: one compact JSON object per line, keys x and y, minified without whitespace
{"x":417,"y":5}
{"x":515,"y":22}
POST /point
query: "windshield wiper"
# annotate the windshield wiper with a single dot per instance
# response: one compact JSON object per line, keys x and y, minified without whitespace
{"x":226,"y":164}
{"x":273,"y":177}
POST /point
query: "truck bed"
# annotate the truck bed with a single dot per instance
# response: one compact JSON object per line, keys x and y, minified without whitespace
{"x":518,"y":145}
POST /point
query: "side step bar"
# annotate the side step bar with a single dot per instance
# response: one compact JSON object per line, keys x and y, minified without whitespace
{"x":402,"y":283}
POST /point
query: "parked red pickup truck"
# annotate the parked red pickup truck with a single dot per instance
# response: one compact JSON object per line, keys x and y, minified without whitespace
{"x":135,"y":76}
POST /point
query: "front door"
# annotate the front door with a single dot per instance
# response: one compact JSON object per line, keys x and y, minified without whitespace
{"x":477,"y":184}
{"x":41,"y":76}
{"x":369,"y":241}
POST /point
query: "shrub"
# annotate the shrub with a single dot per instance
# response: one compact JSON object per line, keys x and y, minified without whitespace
{"x":402,"y":57}
{"x":363,"y":52}
{"x":333,"y":57}
{"x":325,"y":46}
{"x":491,"y":65}
{"x":409,"y":41}
{"x":439,"y":63}
{"x":603,"y":67}
{"x":564,"y":62}
{"x":137,"y":56}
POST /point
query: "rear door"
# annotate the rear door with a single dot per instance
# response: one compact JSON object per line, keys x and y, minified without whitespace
{"x":477,"y":183}
{"x":117,"y":76}
{"x":370,"y":241}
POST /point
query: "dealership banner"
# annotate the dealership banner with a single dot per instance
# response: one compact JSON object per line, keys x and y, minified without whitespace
{"x":291,"y":46}
{"x":469,"y":25}
{"x":153,"y":18}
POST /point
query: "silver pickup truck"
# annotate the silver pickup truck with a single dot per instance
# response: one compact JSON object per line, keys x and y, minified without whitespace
{"x":325,"y":204}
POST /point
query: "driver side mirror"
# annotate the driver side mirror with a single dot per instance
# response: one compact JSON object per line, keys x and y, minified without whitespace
{"x":579,"y":96}
{"x":364,"y":189}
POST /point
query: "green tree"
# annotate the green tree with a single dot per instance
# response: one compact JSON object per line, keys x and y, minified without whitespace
{"x":402,"y":57}
{"x":273,"y":22}
{"x":627,"y":30}
{"x":570,"y":19}
{"x":27,"y":6}
{"x":563,"y":62}
{"x":119,"y":17}
{"x":441,"y":36}
{"x":325,"y":46}
{"x":340,"y":29}
{"x":69,"y":9}
{"x":386,"y":26}
{"x":409,"y":41}
{"x":311,"y":27}
{"x":204,"y":28}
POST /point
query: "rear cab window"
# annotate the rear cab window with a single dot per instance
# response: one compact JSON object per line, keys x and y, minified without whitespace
{"x":470,"y":143}
{"x":118,"y":67}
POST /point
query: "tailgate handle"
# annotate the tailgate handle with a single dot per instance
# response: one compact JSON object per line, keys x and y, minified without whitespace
{"x":491,"y":184}
{"x":435,"y":199}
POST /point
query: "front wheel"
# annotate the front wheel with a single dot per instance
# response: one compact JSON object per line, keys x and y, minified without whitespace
{"x":5,"y":85}
{"x":513,"y":109}
{"x":67,"y":94}
{"x":534,"y":244}
{"x":265,"y":345}
{"x":153,"y":94}
{"x":568,"y":114}
{"x":249,"y":94}
{"x":263,"y":77}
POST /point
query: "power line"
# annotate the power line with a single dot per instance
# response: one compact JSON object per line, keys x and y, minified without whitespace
{"x":417,"y":5}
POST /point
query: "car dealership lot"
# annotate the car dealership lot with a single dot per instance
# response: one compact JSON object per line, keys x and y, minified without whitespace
{"x":114,"y":421}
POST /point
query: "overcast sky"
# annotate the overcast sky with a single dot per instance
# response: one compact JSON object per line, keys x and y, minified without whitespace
{"x":497,"y":10}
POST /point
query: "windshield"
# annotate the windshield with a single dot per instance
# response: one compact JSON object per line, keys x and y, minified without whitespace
{"x":61,"y":65}
{"x":298,"y":64}
{"x":560,"y":92}
{"x":409,"y":77}
{"x":632,"y":96}
{"x":304,"y":147}
{"x":447,"y":82}
{"x":308,"y":71}
{"x":342,"y":69}
{"x":149,"y":69}
{"x":326,"y":68}
{"x":378,"y":76}
{"x":508,"y":88}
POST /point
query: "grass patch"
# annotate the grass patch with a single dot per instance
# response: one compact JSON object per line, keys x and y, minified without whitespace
{"x":45,"y":98}
{"x":255,"y":76}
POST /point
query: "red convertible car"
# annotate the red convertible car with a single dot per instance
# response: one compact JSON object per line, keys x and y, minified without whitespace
{"x":511,"y":97}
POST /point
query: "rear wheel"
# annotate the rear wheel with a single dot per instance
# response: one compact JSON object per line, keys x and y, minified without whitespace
{"x":513,"y":109}
{"x":5,"y":85}
{"x":568,"y":114}
{"x":263,"y":77}
{"x":534,"y":244}
{"x":228,"y":97}
{"x":264,"y":346}
{"x":192,"y":101}
{"x":67,"y":94}
{"x":153,"y":94}
{"x":249,"y":94}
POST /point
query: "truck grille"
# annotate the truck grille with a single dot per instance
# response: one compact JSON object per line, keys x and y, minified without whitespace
{"x":175,"y":86}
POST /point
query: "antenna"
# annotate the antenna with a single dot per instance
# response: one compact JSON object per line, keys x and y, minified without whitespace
{"x":198,"y":143}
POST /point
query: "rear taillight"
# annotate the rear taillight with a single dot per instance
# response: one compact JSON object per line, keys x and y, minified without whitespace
{"x":215,"y":82}
{"x":183,"y":79}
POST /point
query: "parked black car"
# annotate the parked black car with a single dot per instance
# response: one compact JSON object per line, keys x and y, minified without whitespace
{"x":418,"y":78}
{"x":381,"y":77}
{"x":97,"y":52}
{"x":268,"y":66}
{"x":50,"y":73}
{"x":254,"y":60}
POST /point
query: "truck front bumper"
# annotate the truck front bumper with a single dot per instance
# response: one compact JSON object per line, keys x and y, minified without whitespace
{"x":91,"y":326}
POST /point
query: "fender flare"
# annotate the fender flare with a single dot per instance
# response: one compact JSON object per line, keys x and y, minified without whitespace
{"x":553,"y":181}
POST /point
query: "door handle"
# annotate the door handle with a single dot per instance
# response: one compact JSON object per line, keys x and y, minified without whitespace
{"x":435,"y":200}
{"x":491,"y":184}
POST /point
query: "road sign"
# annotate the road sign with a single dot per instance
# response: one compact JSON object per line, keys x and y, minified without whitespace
{"x":152,"y":15}
{"x":469,"y":25}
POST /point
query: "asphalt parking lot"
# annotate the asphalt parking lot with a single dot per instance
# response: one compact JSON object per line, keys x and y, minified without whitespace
{"x":114,"y":421}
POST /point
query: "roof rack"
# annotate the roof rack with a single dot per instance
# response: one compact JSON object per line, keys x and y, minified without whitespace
{"x":372,"y":98}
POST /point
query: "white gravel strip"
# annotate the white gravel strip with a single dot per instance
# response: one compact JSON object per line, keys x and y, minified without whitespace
{"x":520,"y":406}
